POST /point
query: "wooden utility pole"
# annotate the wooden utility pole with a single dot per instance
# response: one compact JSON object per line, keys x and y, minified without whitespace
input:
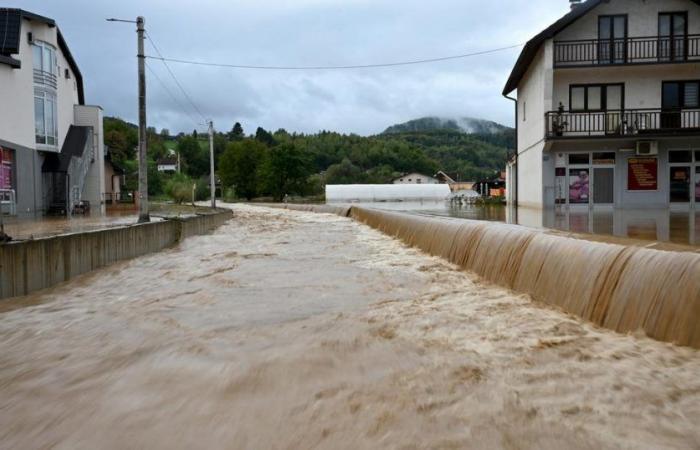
{"x":143,"y":135}
{"x":212,"y":177}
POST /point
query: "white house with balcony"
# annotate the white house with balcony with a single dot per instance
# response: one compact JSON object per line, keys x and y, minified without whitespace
{"x":608,"y":108}
{"x":51,"y":142}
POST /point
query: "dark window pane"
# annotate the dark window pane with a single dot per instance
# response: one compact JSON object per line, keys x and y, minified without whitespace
{"x":671,"y":96}
{"x":697,"y":158}
{"x":680,"y":184}
{"x":578,"y":98}
{"x":614,"y":97}
{"x":680,"y":157}
{"x":664,"y":25}
{"x":604,"y":28}
{"x":697,"y":183}
{"x":579,"y":158}
{"x":604,"y":158}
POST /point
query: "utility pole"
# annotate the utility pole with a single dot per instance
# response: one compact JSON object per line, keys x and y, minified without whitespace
{"x":211,"y":164}
{"x":143,"y":144}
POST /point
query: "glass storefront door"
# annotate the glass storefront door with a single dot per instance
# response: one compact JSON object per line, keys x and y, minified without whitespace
{"x":679,"y":184}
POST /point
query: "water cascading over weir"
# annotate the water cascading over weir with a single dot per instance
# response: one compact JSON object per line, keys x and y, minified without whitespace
{"x":621,"y":287}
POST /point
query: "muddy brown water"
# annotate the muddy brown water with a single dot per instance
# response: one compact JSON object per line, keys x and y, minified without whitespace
{"x":288,"y":329}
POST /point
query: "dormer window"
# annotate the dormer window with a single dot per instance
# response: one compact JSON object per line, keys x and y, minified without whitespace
{"x":45,"y":65}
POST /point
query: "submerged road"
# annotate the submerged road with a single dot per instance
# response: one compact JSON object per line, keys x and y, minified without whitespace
{"x":296,"y":330}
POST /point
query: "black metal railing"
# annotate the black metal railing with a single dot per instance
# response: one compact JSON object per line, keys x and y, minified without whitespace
{"x":630,"y":122}
{"x":45,"y":78}
{"x":637,"y":50}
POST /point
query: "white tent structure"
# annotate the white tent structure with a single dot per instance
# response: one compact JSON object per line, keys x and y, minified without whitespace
{"x":353,"y":193}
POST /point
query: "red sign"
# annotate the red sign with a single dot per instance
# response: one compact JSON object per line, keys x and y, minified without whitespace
{"x":642,"y":174}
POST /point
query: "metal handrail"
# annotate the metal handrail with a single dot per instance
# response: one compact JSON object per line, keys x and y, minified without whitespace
{"x":622,"y":122}
{"x":629,"y":50}
{"x":45,"y":78}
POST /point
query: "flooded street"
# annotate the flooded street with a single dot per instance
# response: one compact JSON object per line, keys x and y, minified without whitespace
{"x":294,"y":330}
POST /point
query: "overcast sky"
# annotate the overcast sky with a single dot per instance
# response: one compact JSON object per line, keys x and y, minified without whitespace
{"x":302,"y":32}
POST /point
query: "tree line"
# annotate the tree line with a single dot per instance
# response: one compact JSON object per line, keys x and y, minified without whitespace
{"x":277,"y":164}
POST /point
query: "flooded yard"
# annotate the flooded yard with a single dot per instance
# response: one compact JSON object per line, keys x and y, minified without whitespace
{"x":288,"y":329}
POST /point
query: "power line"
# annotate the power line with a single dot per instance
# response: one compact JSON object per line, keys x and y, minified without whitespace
{"x":360,"y":66}
{"x":182,"y":89}
{"x":172,"y":96}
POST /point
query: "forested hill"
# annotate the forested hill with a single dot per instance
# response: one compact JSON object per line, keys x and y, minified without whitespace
{"x":467,"y":125}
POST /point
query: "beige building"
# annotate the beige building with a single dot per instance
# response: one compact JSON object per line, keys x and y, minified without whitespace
{"x":608,"y":111}
{"x":51,"y":142}
{"x":415,"y":178}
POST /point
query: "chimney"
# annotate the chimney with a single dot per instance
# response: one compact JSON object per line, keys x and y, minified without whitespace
{"x":575,"y":3}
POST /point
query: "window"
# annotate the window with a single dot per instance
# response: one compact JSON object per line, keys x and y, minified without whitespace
{"x":673,"y":31}
{"x":612,"y":32}
{"x":680,"y":156}
{"x":579,"y":158}
{"x":6,"y":158}
{"x":680,"y":94}
{"x":697,"y":157}
{"x":597,"y":97}
{"x":45,"y":121}
{"x":45,"y":58}
{"x":604,"y":158}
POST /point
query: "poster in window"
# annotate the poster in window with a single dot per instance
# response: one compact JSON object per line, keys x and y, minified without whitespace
{"x":5,"y":168}
{"x":642,"y":174}
{"x":697,"y":184}
{"x":579,"y":186}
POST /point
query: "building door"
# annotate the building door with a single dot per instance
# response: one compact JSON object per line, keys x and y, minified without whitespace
{"x":679,"y":184}
{"x":671,"y":104}
{"x":612,"y":36}
{"x":673,"y":36}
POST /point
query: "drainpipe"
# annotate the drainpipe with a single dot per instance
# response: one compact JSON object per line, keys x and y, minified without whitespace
{"x":515,"y":196}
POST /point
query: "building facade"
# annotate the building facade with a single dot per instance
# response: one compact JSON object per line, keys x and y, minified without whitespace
{"x":52,"y":143}
{"x":415,"y":178}
{"x":608,"y":109}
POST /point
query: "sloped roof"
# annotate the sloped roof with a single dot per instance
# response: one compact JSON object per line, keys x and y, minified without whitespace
{"x":74,"y":145}
{"x":533,"y":45}
{"x":10,"y":40}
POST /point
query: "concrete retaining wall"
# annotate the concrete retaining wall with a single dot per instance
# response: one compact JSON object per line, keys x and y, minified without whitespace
{"x":28,"y":266}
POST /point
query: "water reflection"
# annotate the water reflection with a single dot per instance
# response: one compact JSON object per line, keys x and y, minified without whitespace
{"x":649,"y":224}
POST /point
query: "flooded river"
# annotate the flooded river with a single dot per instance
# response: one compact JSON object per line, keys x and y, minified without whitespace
{"x":297,"y":330}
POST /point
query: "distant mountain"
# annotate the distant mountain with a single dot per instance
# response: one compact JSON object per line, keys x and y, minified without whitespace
{"x":467,"y":125}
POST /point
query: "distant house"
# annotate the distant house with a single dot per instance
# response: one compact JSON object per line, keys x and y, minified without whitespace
{"x":450,"y":180}
{"x":492,"y":187}
{"x":51,"y":141}
{"x":415,"y":178}
{"x":114,"y":179}
{"x":168,"y":165}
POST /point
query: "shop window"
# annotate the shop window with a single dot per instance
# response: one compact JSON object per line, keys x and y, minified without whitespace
{"x":579,"y":158}
{"x":604,"y":158}
{"x":6,"y":161}
{"x":579,"y":186}
{"x":680,"y":157}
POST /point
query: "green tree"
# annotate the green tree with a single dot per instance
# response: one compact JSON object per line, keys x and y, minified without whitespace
{"x":344,"y":172}
{"x":236,"y":133}
{"x":179,"y":188}
{"x":265,"y":137}
{"x":194,"y":158}
{"x":285,"y":171}
{"x":240,"y":165}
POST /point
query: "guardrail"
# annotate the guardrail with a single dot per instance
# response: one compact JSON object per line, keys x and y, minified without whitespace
{"x":630,"y":122}
{"x":45,"y":78}
{"x":636,"y":50}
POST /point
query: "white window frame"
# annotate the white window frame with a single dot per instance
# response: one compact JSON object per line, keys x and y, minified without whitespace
{"x":46,"y":47}
{"x":43,"y":138}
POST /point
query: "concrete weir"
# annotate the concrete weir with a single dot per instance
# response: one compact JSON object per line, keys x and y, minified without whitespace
{"x":617,"y":286}
{"x":28,"y":266}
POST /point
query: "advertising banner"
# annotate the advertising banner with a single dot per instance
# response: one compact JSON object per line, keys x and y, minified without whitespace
{"x":579,"y":185}
{"x":642,"y":174}
{"x":5,"y":168}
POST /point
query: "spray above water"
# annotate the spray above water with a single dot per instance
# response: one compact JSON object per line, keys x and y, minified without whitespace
{"x":623,"y":288}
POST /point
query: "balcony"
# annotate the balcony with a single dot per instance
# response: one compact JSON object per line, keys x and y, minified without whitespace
{"x":627,"y":51}
{"x":635,"y":123}
{"x":47,"y":79}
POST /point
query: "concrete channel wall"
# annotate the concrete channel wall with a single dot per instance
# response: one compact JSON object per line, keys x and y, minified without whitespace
{"x":28,"y":266}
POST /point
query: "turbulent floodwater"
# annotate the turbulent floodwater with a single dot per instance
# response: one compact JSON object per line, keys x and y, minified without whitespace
{"x":297,"y":330}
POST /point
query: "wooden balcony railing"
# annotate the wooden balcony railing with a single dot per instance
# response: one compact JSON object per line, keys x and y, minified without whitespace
{"x":620,"y":123}
{"x":637,"y":50}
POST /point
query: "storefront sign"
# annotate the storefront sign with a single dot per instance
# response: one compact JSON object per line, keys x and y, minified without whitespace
{"x":642,"y":174}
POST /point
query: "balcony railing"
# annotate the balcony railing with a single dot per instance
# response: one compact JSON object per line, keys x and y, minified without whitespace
{"x":620,"y":123}
{"x":45,"y":78}
{"x":638,"y":50}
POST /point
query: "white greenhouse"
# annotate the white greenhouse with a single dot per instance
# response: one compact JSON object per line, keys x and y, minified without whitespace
{"x":353,"y":193}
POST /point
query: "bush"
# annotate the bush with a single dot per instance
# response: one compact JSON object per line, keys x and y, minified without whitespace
{"x":179,"y":188}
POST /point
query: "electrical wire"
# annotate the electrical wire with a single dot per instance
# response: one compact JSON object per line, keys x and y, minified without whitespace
{"x":177,"y":82}
{"x":346,"y":67}
{"x":172,"y":96}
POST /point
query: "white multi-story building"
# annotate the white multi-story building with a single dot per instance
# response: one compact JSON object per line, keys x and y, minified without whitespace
{"x":608,"y":109}
{"x":51,"y":143}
